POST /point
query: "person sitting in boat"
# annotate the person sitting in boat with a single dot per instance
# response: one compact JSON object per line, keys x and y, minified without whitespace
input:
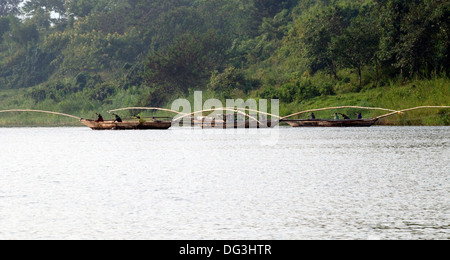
{"x":336,"y":116}
{"x":313,"y":116}
{"x":345,"y":116}
{"x":118,"y":119}
{"x":140,"y":120}
{"x":99,"y":118}
{"x":359,"y":115}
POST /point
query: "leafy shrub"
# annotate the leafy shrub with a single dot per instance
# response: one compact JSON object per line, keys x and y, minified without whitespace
{"x":38,"y":95}
{"x":300,"y":90}
{"x":270,"y":93}
{"x":103,"y":91}
{"x":230,"y":80}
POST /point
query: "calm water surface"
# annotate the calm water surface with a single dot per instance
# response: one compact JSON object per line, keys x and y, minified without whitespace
{"x":374,"y":183}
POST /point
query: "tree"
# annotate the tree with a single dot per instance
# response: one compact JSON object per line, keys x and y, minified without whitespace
{"x":320,"y":30}
{"x":81,"y":8}
{"x":186,"y":63}
{"x":25,"y":33}
{"x":41,"y":18}
{"x":269,"y":8}
{"x":8,"y":7}
{"x":4,"y":27}
{"x":31,"y":7}
{"x":358,"y":44}
{"x":415,"y":35}
{"x":230,"y":80}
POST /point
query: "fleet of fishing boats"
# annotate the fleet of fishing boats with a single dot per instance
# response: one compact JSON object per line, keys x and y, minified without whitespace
{"x":164,"y":125}
{"x":236,"y":119}
{"x":225,"y":123}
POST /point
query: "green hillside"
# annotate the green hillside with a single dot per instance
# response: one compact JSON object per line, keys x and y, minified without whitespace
{"x":86,"y":56}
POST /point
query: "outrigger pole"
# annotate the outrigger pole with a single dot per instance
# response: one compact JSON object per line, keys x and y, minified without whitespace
{"x":218,"y":109}
{"x":145,"y":108}
{"x":331,"y":108}
{"x":40,"y":111}
{"x":409,"y":109}
{"x":183,"y":115}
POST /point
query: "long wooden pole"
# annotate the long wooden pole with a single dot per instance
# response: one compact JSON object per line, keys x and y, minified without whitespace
{"x":39,"y":111}
{"x":145,"y":108}
{"x":217,"y":109}
{"x":180,"y":113}
{"x":331,"y":108}
{"x":409,"y":109}
{"x":253,"y":110}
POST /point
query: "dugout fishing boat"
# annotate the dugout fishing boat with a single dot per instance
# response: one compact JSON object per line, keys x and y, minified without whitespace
{"x":331,"y":123}
{"x":126,"y":125}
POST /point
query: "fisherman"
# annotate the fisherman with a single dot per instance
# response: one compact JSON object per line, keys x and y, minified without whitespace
{"x":99,"y":118}
{"x":140,"y":120}
{"x":359,"y":115}
{"x":313,"y":116}
{"x":118,"y":119}
{"x":336,"y":116}
{"x":345,"y":116}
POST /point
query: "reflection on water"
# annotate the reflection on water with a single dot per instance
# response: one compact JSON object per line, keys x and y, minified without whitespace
{"x":374,"y":183}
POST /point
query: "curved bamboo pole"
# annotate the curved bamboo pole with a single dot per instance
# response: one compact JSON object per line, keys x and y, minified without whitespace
{"x":215,"y":109}
{"x":253,"y":110}
{"x":330,"y":108}
{"x":40,"y":111}
{"x":145,"y":108}
{"x":409,"y":109}
{"x":176,"y":112}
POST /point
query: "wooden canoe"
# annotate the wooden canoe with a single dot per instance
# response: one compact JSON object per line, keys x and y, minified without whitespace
{"x":127,"y":125}
{"x":331,"y":123}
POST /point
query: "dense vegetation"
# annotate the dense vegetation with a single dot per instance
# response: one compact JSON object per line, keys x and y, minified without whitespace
{"x":83,"y":56}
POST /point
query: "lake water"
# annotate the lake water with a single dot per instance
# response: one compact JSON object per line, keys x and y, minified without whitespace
{"x":285,"y":183}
